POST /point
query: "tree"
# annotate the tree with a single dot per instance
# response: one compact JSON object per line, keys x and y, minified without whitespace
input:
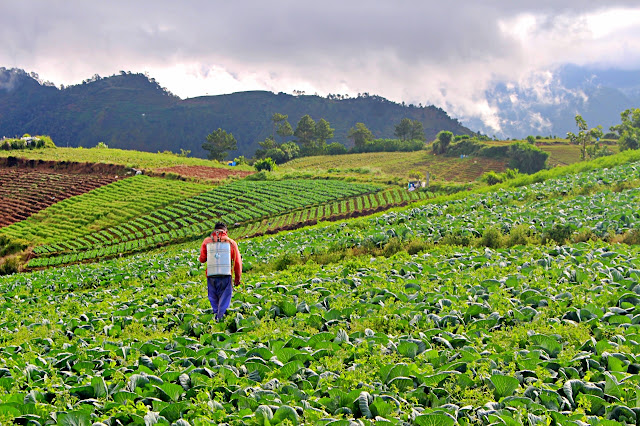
{"x":291,"y":149}
{"x":323,"y":131}
{"x":443,"y":139}
{"x":284,"y":130}
{"x":417,"y":131}
{"x":281,"y":126}
{"x":305,"y":130}
{"x":360,"y":135}
{"x":336,"y":148}
{"x":265,"y":164}
{"x":628,"y":130}
{"x":403,"y":129}
{"x":584,"y":136}
{"x":409,"y":129}
{"x":218,"y":144}
{"x":527,"y":158}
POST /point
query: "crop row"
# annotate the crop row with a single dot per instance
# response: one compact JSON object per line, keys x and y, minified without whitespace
{"x":102,"y":207}
{"x":352,"y":207}
{"x":190,"y":218}
{"x":544,"y":207}
{"x":24,"y":192}
{"x":528,"y":335}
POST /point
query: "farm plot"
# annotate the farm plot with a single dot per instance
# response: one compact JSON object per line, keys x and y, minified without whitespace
{"x":239,"y":202}
{"x":203,"y":172}
{"x":399,"y":164}
{"x":546,"y":208}
{"x":361,"y":205}
{"x":25,"y":191}
{"x":103,"y":207}
{"x":528,"y":335}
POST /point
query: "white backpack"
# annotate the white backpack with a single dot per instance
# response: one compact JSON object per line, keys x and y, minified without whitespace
{"x":218,"y":257}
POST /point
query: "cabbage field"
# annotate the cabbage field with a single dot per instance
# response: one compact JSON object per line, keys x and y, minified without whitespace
{"x":535,"y":332}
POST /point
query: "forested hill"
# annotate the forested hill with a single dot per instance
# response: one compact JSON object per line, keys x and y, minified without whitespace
{"x":132,"y":111}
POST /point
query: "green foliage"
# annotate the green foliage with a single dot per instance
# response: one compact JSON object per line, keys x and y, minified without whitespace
{"x":441,"y":145}
{"x":28,"y":142}
{"x":408,"y":130}
{"x":527,"y":158}
{"x":10,"y":245}
{"x":585,"y":137}
{"x":266,"y":164}
{"x":452,"y":335}
{"x":389,"y":145}
{"x":218,"y":144}
{"x":101,"y":145}
{"x":9,"y":265}
{"x":360,"y":135}
{"x":491,"y":237}
{"x":305,"y":132}
{"x":531,"y":140}
{"x":281,"y":126}
{"x":493,"y":178}
{"x":241,"y":160}
{"x":111,"y":108}
{"x":628,"y":130}
{"x":323,"y":131}
{"x":336,"y":148}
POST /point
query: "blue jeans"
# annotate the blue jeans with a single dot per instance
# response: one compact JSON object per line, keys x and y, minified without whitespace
{"x":220,"y":290}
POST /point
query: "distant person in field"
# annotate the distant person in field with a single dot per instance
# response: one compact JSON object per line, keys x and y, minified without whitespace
{"x":222,"y":257}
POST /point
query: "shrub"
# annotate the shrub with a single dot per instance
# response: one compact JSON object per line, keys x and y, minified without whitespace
{"x":393,"y":246}
{"x":491,"y":178}
{"x":48,"y":142}
{"x":531,"y":140}
{"x":631,"y":237}
{"x":527,"y":158}
{"x":336,"y":148}
{"x":558,"y":233}
{"x":520,"y":235}
{"x":491,"y":237}
{"x":443,"y":139}
{"x":262,"y":175}
{"x":240,"y":160}
{"x":8,"y":246}
{"x":10,"y":265}
{"x":286,"y":260}
{"x":266,"y":164}
{"x":417,"y":246}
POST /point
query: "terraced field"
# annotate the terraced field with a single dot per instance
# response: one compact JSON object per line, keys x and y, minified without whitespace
{"x":520,"y":334}
{"x":106,"y":206}
{"x":252,"y":207}
{"x":24,"y":192}
{"x":399,"y":164}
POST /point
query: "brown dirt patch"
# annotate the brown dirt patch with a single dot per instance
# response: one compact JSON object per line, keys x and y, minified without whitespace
{"x":28,"y":186}
{"x":202,"y":172}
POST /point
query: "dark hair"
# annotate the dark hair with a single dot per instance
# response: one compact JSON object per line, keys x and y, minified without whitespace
{"x":220,"y":225}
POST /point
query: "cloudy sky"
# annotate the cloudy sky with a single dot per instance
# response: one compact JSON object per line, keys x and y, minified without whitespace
{"x":418,"y":51}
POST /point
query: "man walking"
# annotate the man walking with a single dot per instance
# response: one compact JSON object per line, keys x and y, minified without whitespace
{"x":222,"y":257}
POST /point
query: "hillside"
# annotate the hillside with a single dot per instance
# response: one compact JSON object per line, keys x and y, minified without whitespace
{"x":131,"y":111}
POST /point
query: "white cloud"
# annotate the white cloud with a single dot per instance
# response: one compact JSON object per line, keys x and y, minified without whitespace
{"x":445,"y":53}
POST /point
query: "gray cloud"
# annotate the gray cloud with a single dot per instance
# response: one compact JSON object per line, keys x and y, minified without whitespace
{"x":411,"y":50}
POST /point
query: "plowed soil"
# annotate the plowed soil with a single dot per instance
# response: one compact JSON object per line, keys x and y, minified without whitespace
{"x":202,"y":172}
{"x":28,"y":186}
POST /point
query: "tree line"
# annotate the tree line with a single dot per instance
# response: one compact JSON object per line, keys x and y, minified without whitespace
{"x":312,"y":138}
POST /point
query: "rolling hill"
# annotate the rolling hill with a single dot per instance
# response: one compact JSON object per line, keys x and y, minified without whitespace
{"x":132,"y":111}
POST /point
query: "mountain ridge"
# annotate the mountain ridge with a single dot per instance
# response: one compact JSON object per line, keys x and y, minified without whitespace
{"x":132,"y":111}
